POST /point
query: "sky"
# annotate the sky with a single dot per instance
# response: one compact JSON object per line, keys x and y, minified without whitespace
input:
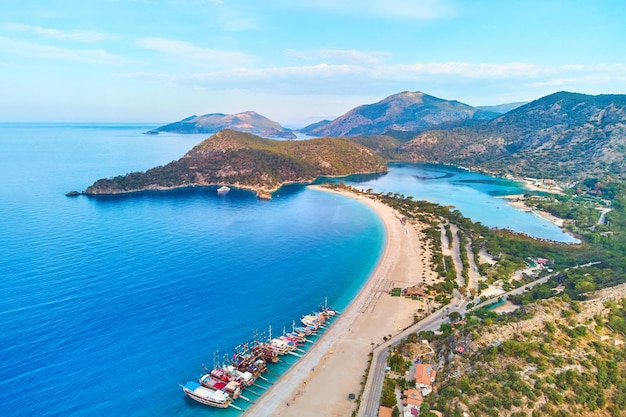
{"x":296,"y":61}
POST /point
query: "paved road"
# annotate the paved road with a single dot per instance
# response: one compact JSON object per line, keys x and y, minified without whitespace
{"x":370,"y":399}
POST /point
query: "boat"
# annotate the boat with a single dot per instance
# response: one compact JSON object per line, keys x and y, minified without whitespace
{"x":266,"y":353}
{"x":281,"y":346}
{"x":304,"y":331}
{"x":232,"y":388}
{"x":244,"y":378}
{"x":313,"y":320}
{"x":207,"y":396}
{"x":223,"y":189}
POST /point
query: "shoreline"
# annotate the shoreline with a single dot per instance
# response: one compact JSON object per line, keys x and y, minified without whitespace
{"x":320,"y":382}
{"x":517,"y":202}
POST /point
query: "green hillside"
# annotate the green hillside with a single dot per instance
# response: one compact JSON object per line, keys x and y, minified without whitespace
{"x":248,"y":161}
{"x":562,"y":136}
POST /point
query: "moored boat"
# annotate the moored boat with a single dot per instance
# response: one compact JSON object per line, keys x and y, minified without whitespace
{"x":207,"y":396}
{"x":223,"y":189}
{"x":232,"y":388}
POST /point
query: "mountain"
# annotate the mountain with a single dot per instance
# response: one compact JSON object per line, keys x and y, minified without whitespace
{"x":406,"y":111}
{"x":308,"y":129}
{"x":502,"y":108}
{"x":563,"y":136}
{"x":248,"y":161}
{"x":248,"y":121}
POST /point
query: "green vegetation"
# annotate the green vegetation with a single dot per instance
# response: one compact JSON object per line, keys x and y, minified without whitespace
{"x":570,"y":368}
{"x":512,"y":251}
{"x":388,"y":398}
{"x":551,"y":356}
{"x":246,"y":160}
{"x":562,"y":136}
{"x":385,"y":146}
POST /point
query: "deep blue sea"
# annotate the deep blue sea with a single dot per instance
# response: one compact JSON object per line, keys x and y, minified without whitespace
{"x":107,"y":304}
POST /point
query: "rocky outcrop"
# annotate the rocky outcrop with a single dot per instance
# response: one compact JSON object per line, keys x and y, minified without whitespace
{"x":562,"y":136}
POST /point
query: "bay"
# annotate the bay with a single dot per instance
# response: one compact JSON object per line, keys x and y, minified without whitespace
{"x":107,"y":304}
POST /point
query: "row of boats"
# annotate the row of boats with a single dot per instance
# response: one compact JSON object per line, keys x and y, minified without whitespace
{"x":226,"y":382}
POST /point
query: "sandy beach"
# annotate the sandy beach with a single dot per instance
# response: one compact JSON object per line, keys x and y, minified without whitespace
{"x":319,"y":383}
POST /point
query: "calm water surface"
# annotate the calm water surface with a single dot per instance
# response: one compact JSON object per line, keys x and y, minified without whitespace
{"x":473,"y":194}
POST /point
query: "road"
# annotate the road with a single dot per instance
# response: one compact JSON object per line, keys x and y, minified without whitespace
{"x":370,"y":399}
{"x":372,"y":391}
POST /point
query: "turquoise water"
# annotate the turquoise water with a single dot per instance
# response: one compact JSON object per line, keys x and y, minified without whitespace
{"x":473,"y":194}
{"x":107,"y":304}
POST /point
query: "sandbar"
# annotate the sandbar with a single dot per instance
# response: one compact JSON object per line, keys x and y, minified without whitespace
{"x":319,"y":384}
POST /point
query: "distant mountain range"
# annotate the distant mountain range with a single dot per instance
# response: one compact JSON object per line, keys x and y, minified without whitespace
{"x":249,"y":121}
{"x":566,"y":136}
{"x":502,"y":108}
{"x":406,"y":111}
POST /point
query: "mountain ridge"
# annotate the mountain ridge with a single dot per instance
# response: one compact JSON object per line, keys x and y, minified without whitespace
{"x":562,"y":135}
{"x":405,"y":111}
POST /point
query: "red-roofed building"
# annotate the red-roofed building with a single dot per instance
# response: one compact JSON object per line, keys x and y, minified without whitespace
{"x":425,"y":375}
{"x":412,"y":401}
{"x":412,"y":397}
{"x":385,"y":411}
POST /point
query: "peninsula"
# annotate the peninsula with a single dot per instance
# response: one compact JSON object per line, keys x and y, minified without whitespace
{"x":247,"y":161}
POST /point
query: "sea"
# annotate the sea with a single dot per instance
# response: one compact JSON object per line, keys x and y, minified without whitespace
{"x":108,"y":304}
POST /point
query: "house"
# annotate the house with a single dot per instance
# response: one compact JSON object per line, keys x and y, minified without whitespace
{"x":425,"y":376}
{"x":412,"y":397}
{"x":415,"y":291}
{"x":385,"y":411}
{"x":412,"y":401}
{"x":411,"y":411}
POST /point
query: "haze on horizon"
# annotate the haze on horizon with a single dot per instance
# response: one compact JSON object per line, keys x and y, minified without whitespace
{"x":296,"y":62}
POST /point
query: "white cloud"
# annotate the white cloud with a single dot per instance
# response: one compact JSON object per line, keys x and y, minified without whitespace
{"x":468,"y":70}
{"x":182,"y":51}
{"x":33,"y":50}
{"x":521,"y":81}
{"x":590,"y":75}
{"x":63,"y":35}
{"x":399,"y":9}
{"x":341,"y":56}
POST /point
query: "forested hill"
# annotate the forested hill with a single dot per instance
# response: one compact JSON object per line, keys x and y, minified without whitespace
{"x":248,"y":161}
{"x":563,"y":136}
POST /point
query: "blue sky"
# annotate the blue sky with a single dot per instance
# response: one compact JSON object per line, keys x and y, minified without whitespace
{"x":296,"y":61}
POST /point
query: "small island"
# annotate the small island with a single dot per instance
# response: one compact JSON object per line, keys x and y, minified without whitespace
{"x":244,"y":160}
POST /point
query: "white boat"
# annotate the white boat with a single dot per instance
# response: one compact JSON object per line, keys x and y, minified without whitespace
{"x":223,"y":189}
{"x":207,"y":396}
